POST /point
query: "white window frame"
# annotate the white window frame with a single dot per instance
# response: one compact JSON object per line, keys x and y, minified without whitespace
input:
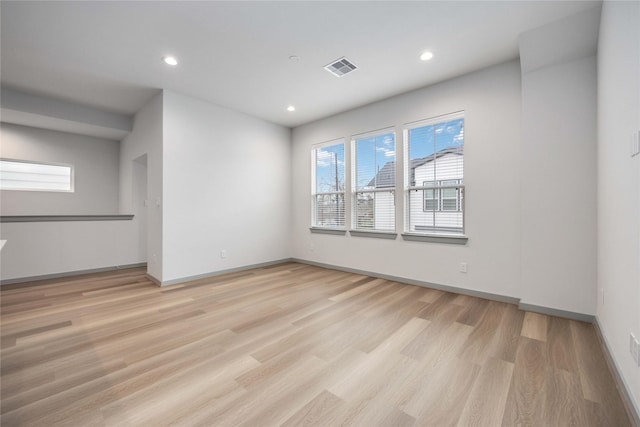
{"x":47,"y":190}
{"x":354,"y":178}
{"x":408,"y":187}
{"x":315,"y":193}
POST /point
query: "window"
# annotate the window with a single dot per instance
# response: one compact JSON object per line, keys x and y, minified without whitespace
{"x":32,"y":176}
{"x":431,"y":197}
{"x":434,"y":176}
{"x":447,"y":197}
{"x":328,"y":185}
{"x":374,"y":181}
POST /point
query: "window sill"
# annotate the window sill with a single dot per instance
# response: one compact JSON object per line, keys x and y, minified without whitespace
{"x":436,"y":238}
{"x":374,"y":234}
{"x":50,"y":218}
{"x":334,"y":231}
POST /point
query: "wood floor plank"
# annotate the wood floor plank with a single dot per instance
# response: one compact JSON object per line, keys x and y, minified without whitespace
{"x":525,"y":403}
{"x":595,"y":379}
{"x":564,"y":405}
{"x":486,"y":403}
{"x":315,"y":412}
{"x":364,"y":285}
{"x":535,"y":326}
{"x":303,"y":390}
{"x":472,"y":313}
{"x":443,"y":403}
{"x":263,"y":399}
{"x":506,"y":340}
{"x":477,"y":347}
{"x":290,"y":344}
{"x":560,"y":346}
{"x":378,"y":358}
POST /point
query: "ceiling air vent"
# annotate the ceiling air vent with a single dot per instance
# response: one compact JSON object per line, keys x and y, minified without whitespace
{"x":340,"y":67}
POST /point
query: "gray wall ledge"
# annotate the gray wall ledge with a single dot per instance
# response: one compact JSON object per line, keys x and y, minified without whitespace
{"x":374,"y":234}
{"x":434,"y":238}
{"x":335,"y":231}
{"x":52,"y":218}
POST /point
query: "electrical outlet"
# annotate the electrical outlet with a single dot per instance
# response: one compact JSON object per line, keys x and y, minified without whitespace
{"x":463,"y":267}
{"x":634,"y":348}
{"x":223,"y":253}
{"x":602,"y":295}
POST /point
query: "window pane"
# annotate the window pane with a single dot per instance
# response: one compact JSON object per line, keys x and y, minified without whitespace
{"x":375,"y":211}
{"x":375,"y":164}
{"x":430,"y":220}
{"x":430,"y":199}
{"x":421,"y":142}
{"x":16,"y":175}
{"x":449,"y":204}
{"x":449,"y":146}
{"x":329,"y":168}
{"x":365,"y":163}
{"x":365,"y":208}
{"x":329,"y":210}
{"x":421,"y":154}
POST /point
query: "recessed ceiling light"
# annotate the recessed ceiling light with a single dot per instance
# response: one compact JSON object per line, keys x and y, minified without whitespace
{"x":291,"y":108}
{"x":294,"y":58}
{"x":170,"y":60}
{"x":426,"y":56}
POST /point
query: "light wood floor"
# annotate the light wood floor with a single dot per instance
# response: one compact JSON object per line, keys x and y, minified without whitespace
{"x":291,"y":345}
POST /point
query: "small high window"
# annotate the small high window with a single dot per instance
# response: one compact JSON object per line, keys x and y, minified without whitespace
{"x":32,"y":176}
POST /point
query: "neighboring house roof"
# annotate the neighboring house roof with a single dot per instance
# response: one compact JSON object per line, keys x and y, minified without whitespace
{"x":385,"y":176}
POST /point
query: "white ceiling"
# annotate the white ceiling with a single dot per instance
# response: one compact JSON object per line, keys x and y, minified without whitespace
{"x":236,"y":54}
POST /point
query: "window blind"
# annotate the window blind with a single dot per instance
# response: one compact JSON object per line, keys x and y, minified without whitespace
{"x":31,"y":176}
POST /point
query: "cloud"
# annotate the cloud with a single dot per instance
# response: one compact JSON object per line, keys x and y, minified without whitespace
{"x":388,"y":140}
{"x":460,"y":136}
{"x":388,"y":152}
{"x":388,"y":149}
{"x":324,"y":158}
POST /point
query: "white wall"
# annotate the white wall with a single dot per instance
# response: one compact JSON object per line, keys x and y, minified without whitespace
{"x":95,"y":166}
{"x":491,"y":99}
{"x":558,"y":168}
{"x":43,"y":248}
{"x":145,"y":139}
{"x":226,"y":187}
{"x":619,"y":184}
